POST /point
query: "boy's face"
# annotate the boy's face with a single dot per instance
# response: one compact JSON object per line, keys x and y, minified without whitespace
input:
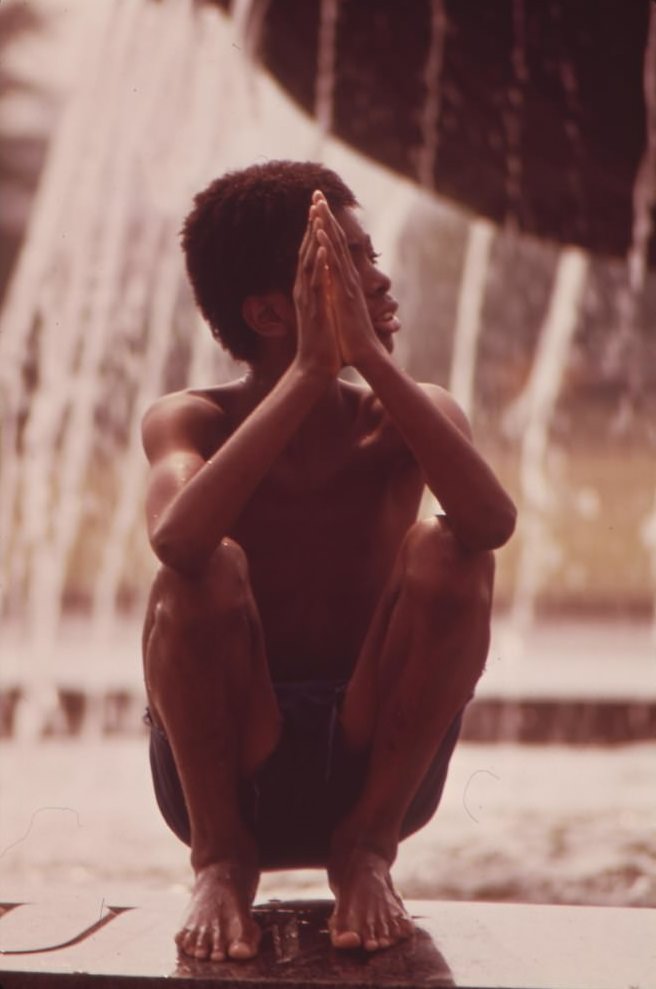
{"x":375,"y":283}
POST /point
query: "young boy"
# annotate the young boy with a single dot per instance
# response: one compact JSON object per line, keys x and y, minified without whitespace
{"x":309,"y":646}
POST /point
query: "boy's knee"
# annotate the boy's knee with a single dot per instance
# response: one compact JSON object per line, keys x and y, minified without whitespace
{"x":438,"y":569}
{"x":221,"y":589}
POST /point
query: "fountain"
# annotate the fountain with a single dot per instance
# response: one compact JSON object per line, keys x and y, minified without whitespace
{"x":530,"y":418}
{"x":92,"y":325}
{"x":325,"y":86}
{"x":468,"y":323}
{"x":430,"y":114}
{"x":98,"y":320}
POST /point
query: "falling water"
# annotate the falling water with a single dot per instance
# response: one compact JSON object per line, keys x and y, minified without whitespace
{"x":571,"y":117}
{"x":644,"y":201}
{"x":430,"y":116}
{"x":248,"y":22}
{"x":622,"y":356}
{"x":35,"y":298}
{"x":513,"y":116}
{"x":31,"y":291}
{"x":99,"y":283}
{"x":325,"y":78}
{"x":468,"y":325}
{"x":532,"y":413}
{"x":531,"y":416}
{"x":468,"y":316}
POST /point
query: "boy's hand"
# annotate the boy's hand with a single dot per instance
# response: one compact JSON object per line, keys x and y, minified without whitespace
{"x":317,"y":346}
{"x":355,"y":333}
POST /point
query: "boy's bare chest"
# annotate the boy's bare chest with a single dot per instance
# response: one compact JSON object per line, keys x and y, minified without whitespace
{"x":314,"y":520}
{"x":327,"y":493}
{"x":320,"y":548}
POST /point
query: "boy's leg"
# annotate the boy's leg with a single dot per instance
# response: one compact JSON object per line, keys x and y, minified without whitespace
{"x":209,"y":690}
{"x":425,"y":650}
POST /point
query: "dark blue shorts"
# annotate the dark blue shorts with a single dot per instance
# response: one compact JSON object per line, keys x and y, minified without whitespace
{"x":306,"y":786}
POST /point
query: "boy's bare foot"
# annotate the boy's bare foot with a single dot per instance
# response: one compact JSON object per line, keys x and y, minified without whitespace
{"x":368,"y":912}
{"x":219,"y":924}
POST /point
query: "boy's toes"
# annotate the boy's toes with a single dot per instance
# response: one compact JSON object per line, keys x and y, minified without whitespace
{"x":186,"y":941}
{"x":382,"y":936}
{"x":218,"y":950}
{"x":202,"y":946}
{"x":406,"y":927}
{"x":241,"y":950}
{"x":344,"y":939}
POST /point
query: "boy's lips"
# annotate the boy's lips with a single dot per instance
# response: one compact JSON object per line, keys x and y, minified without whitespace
{"x":386,"y":320}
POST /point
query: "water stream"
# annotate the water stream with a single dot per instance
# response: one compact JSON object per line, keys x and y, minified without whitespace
{"x":531,"y":418}
{"x":430,"y":115}
{"x":644,"y":204}
{"x":468,"y":326}
{"x":326,"y":59}
{"x":514,"y":114}
{"x":92,"y":313}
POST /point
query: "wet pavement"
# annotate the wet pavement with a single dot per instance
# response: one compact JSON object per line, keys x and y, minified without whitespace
{"x":64,"y":942}
{"x":542,"y":824}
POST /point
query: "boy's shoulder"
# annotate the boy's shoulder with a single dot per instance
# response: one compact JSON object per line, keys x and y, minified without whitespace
{"x":194,"y":403}
{"x":374,"y":411}
{"x":191,"y":417}
{"x":449,"y":407}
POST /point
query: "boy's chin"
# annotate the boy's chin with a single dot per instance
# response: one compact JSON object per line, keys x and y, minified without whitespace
{"x":387,"y":341}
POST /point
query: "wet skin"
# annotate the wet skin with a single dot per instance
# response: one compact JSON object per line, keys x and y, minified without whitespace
{"x":218,"y":924}
{"x":291,"y":496}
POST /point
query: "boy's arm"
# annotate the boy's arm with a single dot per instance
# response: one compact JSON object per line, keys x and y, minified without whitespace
{"x":481,"y":514}
{"x":193,"y":502}
{"x":201,"y":474}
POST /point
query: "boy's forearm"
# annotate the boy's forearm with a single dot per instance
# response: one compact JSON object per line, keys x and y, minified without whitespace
{"x":207,"y":507}
{"x":480,"y":512}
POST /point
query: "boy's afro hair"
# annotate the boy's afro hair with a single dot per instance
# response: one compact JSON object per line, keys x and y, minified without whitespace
{"x":242,"y":238}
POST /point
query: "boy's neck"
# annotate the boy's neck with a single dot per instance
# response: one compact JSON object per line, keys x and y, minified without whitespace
{"x":326,"y":415}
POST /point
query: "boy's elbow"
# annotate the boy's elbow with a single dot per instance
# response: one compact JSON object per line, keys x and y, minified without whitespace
{"x":493,"y":531}
{"x":503,"y":527}
{"x":176,"y":553}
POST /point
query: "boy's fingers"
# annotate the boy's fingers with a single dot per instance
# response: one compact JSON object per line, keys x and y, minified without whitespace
{"x":308,"y":237}
{"x":318,"y":271}
{"x":307,"y":254}
{"x":331,"y":220}
{"x":324,"y":240}
{"x":337,"y":238}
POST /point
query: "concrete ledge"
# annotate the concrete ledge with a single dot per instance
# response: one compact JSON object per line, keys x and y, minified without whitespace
{"x":572,"y":682}
{"x":78,"y":941}
{"x":568,"y":720}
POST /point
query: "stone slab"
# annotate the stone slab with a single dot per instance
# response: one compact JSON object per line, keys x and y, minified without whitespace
{"x":567,"y":682}
{"x":487,"y":719}
{"x":73,"y":942}
{"x":559,"y":722}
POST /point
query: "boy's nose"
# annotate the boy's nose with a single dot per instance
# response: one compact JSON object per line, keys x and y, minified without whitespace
{"x":379,"y":283}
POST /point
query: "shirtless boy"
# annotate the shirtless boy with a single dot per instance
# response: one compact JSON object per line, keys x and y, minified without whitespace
{"x":309,"y":645}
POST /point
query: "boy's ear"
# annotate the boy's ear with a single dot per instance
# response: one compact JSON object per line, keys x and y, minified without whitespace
{"x":268,"y":315}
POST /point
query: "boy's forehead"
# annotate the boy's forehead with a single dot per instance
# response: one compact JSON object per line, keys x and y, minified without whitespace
{"x":350,"y":224}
